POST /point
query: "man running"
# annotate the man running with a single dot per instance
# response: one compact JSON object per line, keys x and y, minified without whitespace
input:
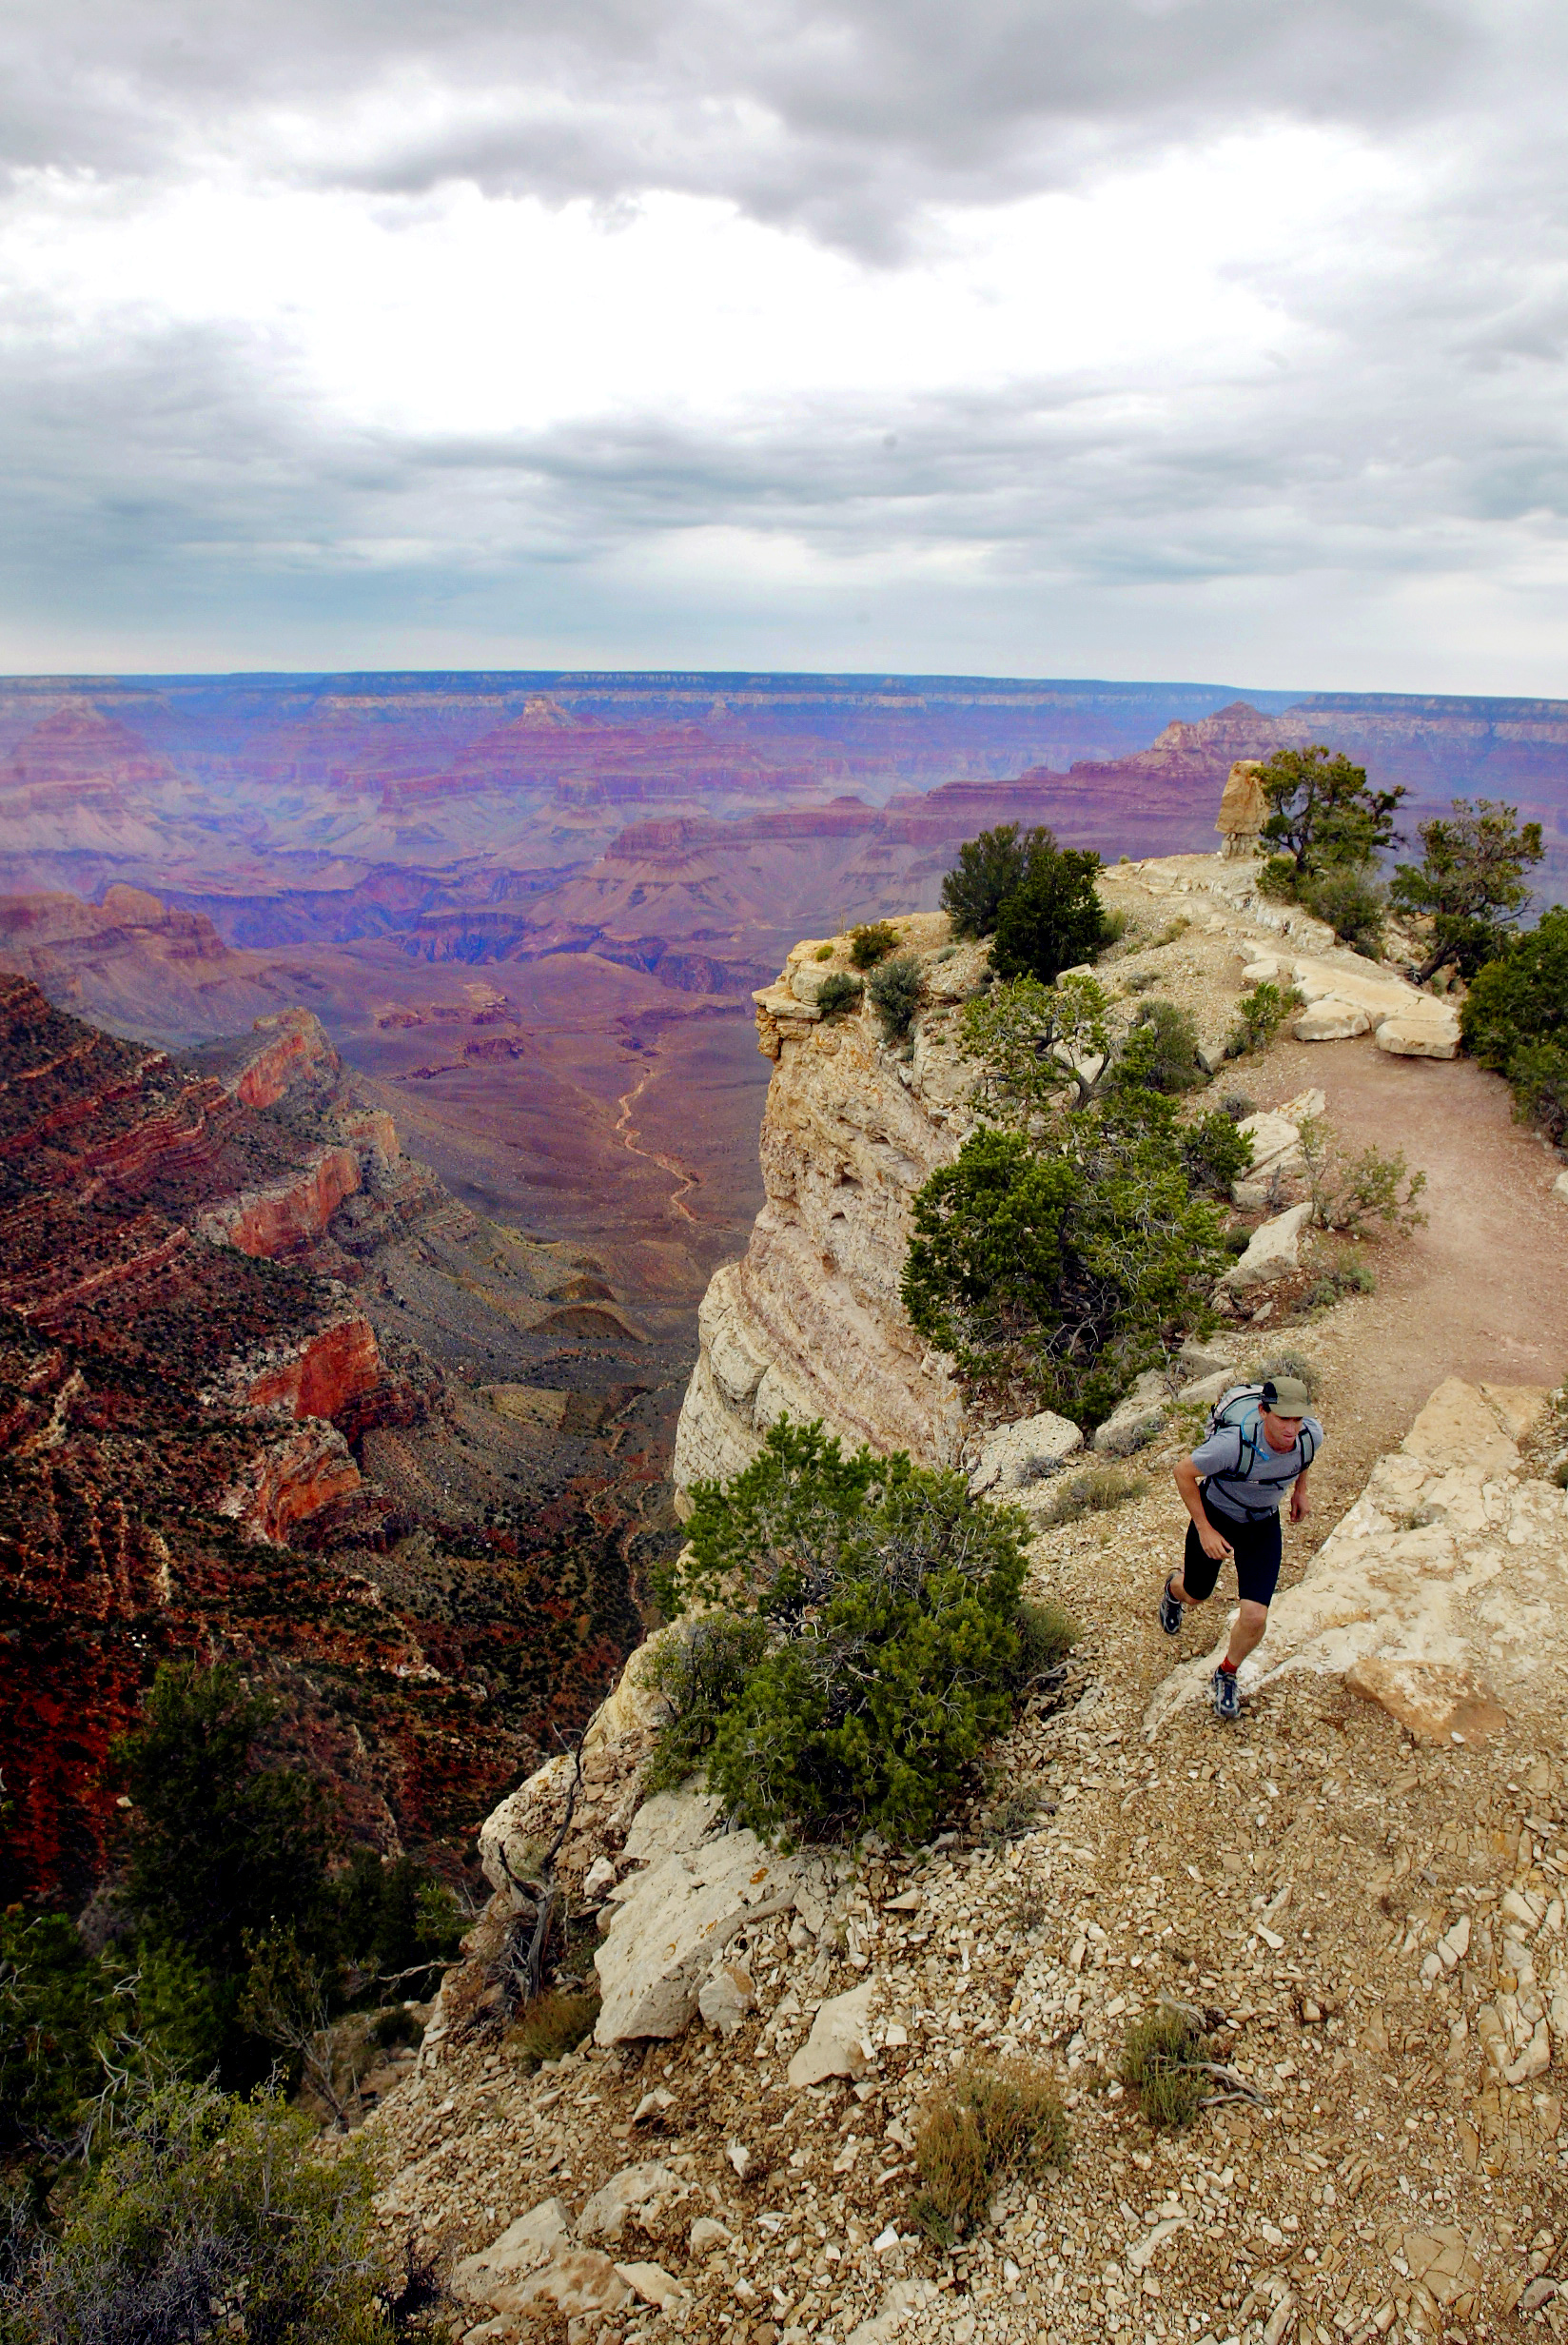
{"x":1233,"y":1486}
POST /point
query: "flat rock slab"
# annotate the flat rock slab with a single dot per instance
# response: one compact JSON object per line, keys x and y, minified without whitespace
{"x":1273,"y":1250}
{"x":1331,"y":1021}
{"x":523,"y":2247}
{"x":839,"y":2043}
{"x":1419,"y":1037}
{"x":1016,"y":1456}
{"x":661,"y":1941}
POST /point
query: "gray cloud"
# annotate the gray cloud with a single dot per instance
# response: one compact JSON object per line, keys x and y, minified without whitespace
{"x":841,"y":117}
{"x":178,"y":490}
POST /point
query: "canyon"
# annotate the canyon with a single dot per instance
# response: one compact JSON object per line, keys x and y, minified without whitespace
{"x":270,"y":1393}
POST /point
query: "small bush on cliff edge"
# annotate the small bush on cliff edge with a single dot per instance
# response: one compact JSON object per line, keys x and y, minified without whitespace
{"x":887,"y":1602}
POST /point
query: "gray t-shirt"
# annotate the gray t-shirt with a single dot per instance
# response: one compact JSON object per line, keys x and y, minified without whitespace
{"x":1244,"y":1477}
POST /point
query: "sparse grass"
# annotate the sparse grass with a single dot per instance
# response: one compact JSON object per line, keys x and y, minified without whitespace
{"x":1031,"y":1907}
{"x":1046,"y":1633}
{"x":549,"y":2027}
{"x":1277,"y":1364}
{"x":989,"y":2123}
{"x":1013,"y":1814}
{"x":872,"y":942}
{"x":1140,"y":982}
{"x":1163,"y":2059}
{"x":1345,"y":1278}
{"x":1096,"y":1492}
{"x":1172,"y":930}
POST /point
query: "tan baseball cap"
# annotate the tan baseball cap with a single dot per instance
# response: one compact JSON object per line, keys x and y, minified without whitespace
{"x":1287,"y":1396}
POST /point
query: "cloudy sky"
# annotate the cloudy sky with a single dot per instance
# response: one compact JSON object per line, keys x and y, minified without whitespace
{"x":1221,"y":338}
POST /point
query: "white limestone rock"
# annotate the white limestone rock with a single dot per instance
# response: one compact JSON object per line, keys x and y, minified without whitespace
{"x":636,"y":2194}
{"x":523,"y":2247}
{"x":661,"y":1942}
{"x":1024,"y":1451}
{"x":1137,"y":1417}
{"x":1331,"y":1020}
{"x":726,"y":1997}
{"x":1418,"y":1034}
{"x":839,"y":2043}
{"x":1273,"y":1250}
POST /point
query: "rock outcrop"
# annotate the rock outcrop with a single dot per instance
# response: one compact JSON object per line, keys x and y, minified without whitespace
{"x":808,"y":1325}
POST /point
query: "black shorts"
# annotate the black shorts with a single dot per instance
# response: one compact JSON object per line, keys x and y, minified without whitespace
{"x":1257,"y":1549}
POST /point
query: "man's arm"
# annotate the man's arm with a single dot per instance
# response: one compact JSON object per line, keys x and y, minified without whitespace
{"x":1212,"y":1541}
{"x":1299,"y":1502}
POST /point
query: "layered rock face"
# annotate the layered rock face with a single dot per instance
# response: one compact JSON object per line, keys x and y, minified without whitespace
{"x":808,"y":1325}
{"x":216,"y":1438}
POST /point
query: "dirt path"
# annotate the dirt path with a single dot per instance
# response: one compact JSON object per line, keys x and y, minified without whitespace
{"x":1481,"y":1292}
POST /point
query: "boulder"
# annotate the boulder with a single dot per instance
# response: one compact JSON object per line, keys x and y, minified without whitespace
{"x":1137,"y":1418}
{"x":1559,"y":1186}
{"x":661,"y":1941}
{"x":1276,"y":1143}
{"x":1331,"y":1020}
{"x":725,"y":1997}
{"x":523,"y":2247}
{"x":839,"y":2043}
{"x":1207,"y":1389}
{"x":577,"y":2282}
{"x":1016,"y":1456}
{"x":1204,"y":1355}
{"x":1416,"y":1035}
{"x":654,"y":2285}
{"x":1272,"y":1251}
{"x":636,"y":2194}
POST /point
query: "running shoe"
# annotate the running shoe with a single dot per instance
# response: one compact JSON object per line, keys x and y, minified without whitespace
{"x":1227,"y":1694}
{"x":1171,"y":1612}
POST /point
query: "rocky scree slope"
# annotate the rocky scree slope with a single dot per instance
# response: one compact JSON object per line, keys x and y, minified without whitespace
{"x":1368,"y":1919}
{"x":223,"y":1433}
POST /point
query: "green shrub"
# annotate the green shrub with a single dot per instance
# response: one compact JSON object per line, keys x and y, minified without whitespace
{"x":989,"y":2122}
{"x":823,"y":952}
{"x":700,"y":1674}
{"x":1053,"y":1272}
{"x":1114,"y":925}
{"x":1322,"y":810}
{"x":1236,"y":1240}
{"x":1350,"y":1193}
{"x":1238,"y":1106}
{"x":1160,"y":1053}
{"x":1097,"y":1491}
{"x":1215,"y":1152}
{"x":872,"y":942}
{"x":1516,"y":1021}
{"x":209,"y":2216}
{"x":1046,"y":1633}
{"x":550,"y":2027}
{"x":1261,"y":1014}
{"x":397,"y":2026}
{"x":1165,"y":2063}
{"x":1352,"y":903}
{"x":839,"y":994}
{"x":888,"y":1597}
{"x":1021,"y":1033}
{"x":1010,"y":1818}
{"x":1053,"y":918}
{"x":988,"y":870}
{"x":1468,"y":889}
{"x":1173,"y":932}
{"x":1277,"y":878}
{"x":896,"y":989}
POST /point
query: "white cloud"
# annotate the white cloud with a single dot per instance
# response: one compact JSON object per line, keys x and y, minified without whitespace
{"x":1219,"y":337}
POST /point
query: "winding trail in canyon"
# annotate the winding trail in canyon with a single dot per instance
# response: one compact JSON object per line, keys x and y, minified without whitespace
{"x":630,"y":1138}
{"x":1481,"y":1292}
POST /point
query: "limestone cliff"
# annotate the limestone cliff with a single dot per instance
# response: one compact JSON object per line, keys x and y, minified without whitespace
{"x":808,"y":1323}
